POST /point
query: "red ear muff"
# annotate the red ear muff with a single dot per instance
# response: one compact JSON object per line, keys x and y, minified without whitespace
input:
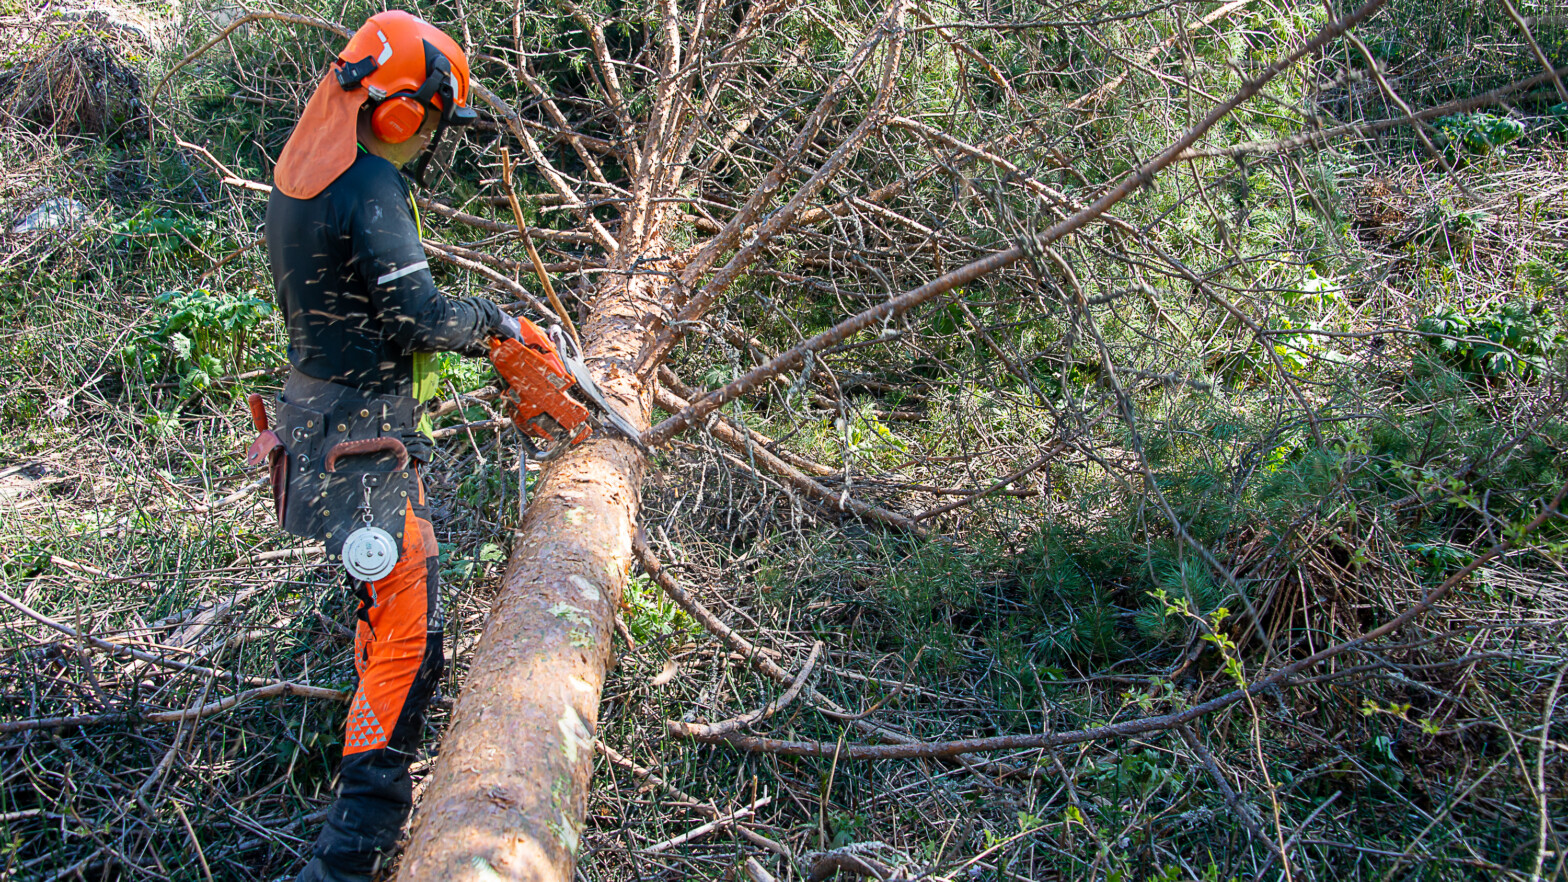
{"x":396,"y":119}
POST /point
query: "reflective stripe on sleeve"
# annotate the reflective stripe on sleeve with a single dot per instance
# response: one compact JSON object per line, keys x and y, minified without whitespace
{"x":407,"y":270}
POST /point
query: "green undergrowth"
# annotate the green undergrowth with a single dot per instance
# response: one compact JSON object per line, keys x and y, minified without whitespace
{"x":1237,"y":494}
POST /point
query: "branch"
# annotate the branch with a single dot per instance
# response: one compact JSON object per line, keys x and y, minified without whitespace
{"x":765,"y":190}
{"x":724,"y":727}
{"x":495,"y":226}
{"x":667,"y":429}
{"x":1051,"y":453}
{"x":231,"y":28}
{"x":841,"y":501}
{"x":670,"y":381}
{"x":1099,"y":95}
{"x":118,"y":650}
{"x":730,"y":820}
{"x":515,"y":123}
{"x":606,"y":67}
{"x":441,"y":252}
{"x":1321,"y":137}
{"x":1163,"y":722}
{"x":191,"y":713}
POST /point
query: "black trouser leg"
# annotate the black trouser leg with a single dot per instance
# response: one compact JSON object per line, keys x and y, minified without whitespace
{"x":397,"y":652}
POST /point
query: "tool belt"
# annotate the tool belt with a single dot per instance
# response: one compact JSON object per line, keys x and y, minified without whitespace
{"x":342,"y":458}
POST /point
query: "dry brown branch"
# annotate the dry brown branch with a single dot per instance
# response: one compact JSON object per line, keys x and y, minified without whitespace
{"x":119,"y":650}
{"x":514,"y":123}
{"x":1323,"y":137}
{"x":705,"y":809}
{"x":732,"y":819}
{"x":762,"y":194}
{"x":481,"y":223}
{"x":1280,"y":678}
{"x":557,"y":310}
{"x":662,"y":433}
{"x":718,"y":730}
{"x":192,"y":713}
{"x":841,"y":501}
{"x":1099,"y":95}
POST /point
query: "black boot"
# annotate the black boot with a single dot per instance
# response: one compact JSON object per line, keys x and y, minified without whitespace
{"x":375,"y":794}
{"x":316,"y":871}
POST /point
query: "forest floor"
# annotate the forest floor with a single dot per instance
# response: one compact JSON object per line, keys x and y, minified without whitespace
{"x":173,"y":668}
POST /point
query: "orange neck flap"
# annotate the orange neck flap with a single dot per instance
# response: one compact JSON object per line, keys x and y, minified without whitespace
{"x":322,"y":145}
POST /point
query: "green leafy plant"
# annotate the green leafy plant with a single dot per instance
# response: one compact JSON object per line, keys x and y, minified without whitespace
{"x":650,"y":614}
{"x":200,"y":335}
{"x":158,"y":232}
{"x":1480,"y":134}
{"x":1510,"y":340}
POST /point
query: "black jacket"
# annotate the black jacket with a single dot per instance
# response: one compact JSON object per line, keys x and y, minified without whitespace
{"x":355,"y":288}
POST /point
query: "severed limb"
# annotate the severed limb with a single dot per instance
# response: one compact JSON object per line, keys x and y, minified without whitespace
{"x":711,"y":731}
{"x":841,"y":501}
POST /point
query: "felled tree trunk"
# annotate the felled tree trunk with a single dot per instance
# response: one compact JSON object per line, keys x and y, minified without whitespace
{"x":508,"y":794}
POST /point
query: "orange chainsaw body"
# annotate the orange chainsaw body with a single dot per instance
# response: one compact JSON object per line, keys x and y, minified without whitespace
{"x":537,"y":383}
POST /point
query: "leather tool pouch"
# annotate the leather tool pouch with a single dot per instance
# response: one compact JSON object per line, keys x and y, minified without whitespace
{"x":342,"y":446}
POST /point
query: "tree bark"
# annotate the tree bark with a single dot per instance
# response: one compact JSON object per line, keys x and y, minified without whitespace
{"x":508,"y":794}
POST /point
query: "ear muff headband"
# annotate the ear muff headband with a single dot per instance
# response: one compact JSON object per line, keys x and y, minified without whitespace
{"x":397,"y":117}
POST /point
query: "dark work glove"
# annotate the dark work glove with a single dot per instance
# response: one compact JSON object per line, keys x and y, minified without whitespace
{"x":492,"y":323}
{"x":509,"y":328}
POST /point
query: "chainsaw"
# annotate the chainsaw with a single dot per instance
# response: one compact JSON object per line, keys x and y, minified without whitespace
{"x":540,"y":371}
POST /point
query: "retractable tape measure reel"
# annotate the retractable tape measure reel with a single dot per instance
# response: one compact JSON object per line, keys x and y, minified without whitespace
{"x":369,"y":553}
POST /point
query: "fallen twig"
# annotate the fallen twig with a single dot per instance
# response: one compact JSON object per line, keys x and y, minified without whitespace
{"x":704,"y":731}
{"x":698,"y":832}
{"x":192,"y":713}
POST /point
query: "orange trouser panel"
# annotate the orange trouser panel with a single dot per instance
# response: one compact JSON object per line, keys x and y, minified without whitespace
{"x":391,"y":643}
{"x":397,"y":652}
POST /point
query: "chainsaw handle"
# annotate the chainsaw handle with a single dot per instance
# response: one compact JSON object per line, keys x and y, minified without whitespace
{"x":564,"y":343}
{"x":548,"y":454}
{"x":364,"y":446}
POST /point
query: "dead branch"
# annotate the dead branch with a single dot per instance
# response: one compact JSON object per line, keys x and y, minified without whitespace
{"x":661,"y":434}
{"x":840,"y":501}
{"x":1283,"y":677}
{"x":192,"y":713}
{"x":723,"y":727}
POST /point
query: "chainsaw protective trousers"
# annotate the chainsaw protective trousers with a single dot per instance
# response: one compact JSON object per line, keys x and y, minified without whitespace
{"x":398,"y":656}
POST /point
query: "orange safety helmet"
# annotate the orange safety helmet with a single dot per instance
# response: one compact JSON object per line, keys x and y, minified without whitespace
{"x":407,"y":68}
{"x":408,"y":65}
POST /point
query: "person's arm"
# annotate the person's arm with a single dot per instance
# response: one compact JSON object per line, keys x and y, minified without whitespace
{"x":403,"y":296}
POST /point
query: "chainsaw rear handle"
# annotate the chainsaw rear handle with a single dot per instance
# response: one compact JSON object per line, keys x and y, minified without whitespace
{"x":365,"y":446}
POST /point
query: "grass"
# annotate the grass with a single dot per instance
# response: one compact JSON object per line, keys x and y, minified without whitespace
{"x":1402,"y":413}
